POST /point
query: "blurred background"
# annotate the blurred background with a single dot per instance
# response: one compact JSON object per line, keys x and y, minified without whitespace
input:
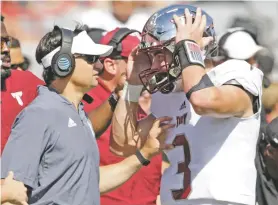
{"x":30,"y":20}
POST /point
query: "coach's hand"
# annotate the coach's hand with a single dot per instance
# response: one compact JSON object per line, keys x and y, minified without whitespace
{"x":156,"y":139}
{"x":13,"y":191}
{"x":137,"y":62}
{"x":192,"y":31}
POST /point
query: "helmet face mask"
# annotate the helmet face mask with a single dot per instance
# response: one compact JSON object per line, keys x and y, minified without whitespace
{"x":158,"y":35}
{"x":161,"y":72}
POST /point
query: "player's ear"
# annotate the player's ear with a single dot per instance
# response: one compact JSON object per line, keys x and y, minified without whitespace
{"x":109,"y":66}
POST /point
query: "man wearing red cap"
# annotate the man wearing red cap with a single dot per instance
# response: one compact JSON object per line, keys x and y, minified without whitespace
{"x":143,"y":187}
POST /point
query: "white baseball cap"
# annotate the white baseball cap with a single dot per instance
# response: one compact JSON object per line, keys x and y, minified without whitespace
{"x":82,"y":44}
{"x":241,"y":45}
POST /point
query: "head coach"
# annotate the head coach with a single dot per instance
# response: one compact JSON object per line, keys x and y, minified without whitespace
{"x":52,"y":148}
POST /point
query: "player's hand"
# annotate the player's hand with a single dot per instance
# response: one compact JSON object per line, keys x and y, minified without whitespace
{"x":192,"y":31}
{"x":13,"y":192}
{"x":137,"y":62}
{"x":156,"y":139}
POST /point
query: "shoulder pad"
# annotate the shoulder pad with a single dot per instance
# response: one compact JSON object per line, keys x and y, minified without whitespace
{"x":238,"y":71}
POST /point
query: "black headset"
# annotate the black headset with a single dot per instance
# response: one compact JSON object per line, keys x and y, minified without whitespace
{"x":223,"y":39}
{"x":116,"y":41}
{"x":63,"y":62}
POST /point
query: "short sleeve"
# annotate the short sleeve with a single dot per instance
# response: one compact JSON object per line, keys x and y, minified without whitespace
{"x":23,"y":151}
{"x":238,"y":72}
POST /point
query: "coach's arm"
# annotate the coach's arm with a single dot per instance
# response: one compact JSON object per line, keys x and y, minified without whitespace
{"x":122,"y":171}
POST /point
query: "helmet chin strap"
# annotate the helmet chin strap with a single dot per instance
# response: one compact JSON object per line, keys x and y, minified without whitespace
{"x":161,"y":78}
{"x":178,"y":86}
{"x":157,"y":80}
{"x":174,"y":72}
{"x":173,"y":87}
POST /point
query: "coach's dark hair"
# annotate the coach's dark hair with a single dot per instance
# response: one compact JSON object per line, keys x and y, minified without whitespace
{"x":80,"y":27}
{"x":48,"y":43}
{"x":94,"y":33}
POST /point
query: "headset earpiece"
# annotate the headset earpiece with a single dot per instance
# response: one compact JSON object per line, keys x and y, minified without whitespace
{"x":63,"y":62}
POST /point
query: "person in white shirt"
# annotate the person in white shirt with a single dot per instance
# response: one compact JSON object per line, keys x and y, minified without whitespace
{"x":216,"y":110}
{"x":250,"y":50}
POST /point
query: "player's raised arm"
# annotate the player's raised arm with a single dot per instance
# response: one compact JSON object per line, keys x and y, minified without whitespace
{"x":229,"y":94}
{"x":128,"y":134}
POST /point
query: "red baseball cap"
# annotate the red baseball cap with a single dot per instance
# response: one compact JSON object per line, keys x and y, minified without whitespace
{"x":128,"y":43}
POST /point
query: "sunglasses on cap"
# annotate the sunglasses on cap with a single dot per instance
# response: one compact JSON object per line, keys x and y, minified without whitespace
{"x":90,"y":59}
{"x":5,"y":40}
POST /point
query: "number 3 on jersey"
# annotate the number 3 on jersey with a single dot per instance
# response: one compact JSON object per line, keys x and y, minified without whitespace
{"x":180,"y":140}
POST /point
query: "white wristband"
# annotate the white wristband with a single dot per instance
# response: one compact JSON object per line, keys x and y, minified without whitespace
{"x":132,"y":93}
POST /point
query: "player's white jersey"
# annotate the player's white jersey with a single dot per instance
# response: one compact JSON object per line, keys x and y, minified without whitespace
{"x":214,"y":157}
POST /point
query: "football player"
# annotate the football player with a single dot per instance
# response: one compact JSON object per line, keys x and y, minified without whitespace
{"x":18,"y":88}
{"x":216,"y":110}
